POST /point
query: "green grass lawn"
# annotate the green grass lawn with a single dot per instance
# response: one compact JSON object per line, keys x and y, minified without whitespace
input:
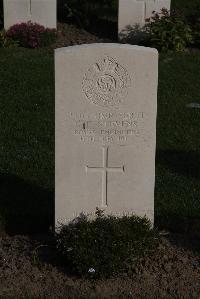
{"x":27,"y":137}
{"x":177,"y":197}
{"x":27,"y":141}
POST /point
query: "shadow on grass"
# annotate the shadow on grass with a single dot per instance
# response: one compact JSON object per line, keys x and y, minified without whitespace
{"x":185,"y":163}
{"x":177,"y":191}
{"x":24,"y":207}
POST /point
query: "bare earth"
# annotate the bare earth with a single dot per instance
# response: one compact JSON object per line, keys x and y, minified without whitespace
{"x":69,"y":35}
{"x":29,"y":266}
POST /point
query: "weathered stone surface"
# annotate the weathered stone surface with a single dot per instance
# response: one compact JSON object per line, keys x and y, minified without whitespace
{"x":105,"y":129}
{"x":131,"y":13}
{"x":156,"y":5}
{"x":16,"y":11}
{"x":43,"y":12}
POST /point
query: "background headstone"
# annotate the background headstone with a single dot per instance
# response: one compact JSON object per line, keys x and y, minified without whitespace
{"x":16,"y":11}
{"x":43,"y":12}
{"x":134,"y":12}
{"x":106,"y":98}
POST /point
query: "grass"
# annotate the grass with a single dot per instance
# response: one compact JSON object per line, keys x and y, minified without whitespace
{"x":27,"y":141}
{"x":177,"y":203}
{"x":27,"y":138}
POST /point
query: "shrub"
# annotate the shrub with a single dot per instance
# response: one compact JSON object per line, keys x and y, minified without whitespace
{"x":105,"y":245}
{"x":31,"y":35}
{"x":169,"y":32}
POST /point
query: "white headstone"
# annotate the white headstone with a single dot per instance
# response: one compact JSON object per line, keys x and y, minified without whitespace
{"x":43,"y":12}
{"x":135,"y":12}
{"x":106,"y":98}
{"x":15,"y":11}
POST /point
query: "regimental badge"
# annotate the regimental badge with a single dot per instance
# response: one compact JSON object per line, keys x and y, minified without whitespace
{"x":106,"y":83}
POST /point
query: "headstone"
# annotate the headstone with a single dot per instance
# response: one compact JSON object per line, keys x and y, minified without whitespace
{"x":106,"y":97}
{"x":43,"y":12}
{"x":15,"y":11}
{"x":133,"y":13}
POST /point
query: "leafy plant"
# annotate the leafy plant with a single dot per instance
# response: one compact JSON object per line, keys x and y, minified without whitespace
{"x":31,"y":35}
{"x":105,"y":245}
{"x":5,"y":41}
{"x":169,"y":32}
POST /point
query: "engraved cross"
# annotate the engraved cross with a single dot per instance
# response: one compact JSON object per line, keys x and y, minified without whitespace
{"x":104,"y":170}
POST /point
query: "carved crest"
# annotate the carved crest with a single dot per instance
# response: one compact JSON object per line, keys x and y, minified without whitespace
{"x":106,"y":83}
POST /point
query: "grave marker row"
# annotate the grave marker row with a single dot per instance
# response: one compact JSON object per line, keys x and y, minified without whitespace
{"x":131,"y":12}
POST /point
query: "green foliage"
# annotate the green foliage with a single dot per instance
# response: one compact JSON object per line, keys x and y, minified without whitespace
{"x":105,"y":245}
{"x":82,"y":12}
{"x":6,"y":42}
{"x":3,"y":39}
{"x":169,"y":32}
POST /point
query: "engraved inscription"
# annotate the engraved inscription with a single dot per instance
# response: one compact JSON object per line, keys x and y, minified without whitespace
{"x":106,"y":83}
{"x":104,"y":169}
{"x":107,"y":128}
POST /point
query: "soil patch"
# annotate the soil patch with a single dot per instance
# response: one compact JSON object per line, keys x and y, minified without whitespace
{"x":29,"y":266}
{"x":69,"y":35}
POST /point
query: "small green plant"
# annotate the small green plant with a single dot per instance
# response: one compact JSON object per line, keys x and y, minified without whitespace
{"x":169,"y":32}
{"x":6,"y":42}
{"x":105,"y":245}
